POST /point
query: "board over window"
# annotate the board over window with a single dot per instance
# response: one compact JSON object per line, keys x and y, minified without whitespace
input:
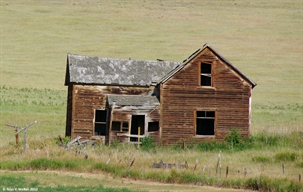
{"x":100,"y":122}
{"x":206,"y":75}
{"x":205,"y":123}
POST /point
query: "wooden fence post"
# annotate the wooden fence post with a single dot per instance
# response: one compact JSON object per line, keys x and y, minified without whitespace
{"x":17,"y":136}
{"x":108,"y":160}
{"x":60,"y":140}
{"x":226,"y":171}
{"x":245,"y":171}
{"x":197,"y":160}
{"x":299,"y":178}
{"x":131,"y":164}
{"x":203,"y":169}
{"x":139,"y":129}
{"x":25,"y":131}
{"x":218,"y":162}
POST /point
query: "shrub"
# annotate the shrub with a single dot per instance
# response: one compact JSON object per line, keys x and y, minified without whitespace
{"x":300,"y":164}
{"x":44,"y":163}
{"x":261,"y":183}
{"x":261,"y":159}
{"x":264,"y":183}
{"x":234,"y":139}
{"x":212,"y":146}
{"x":286,"y":156}
{"x":147,"y":143}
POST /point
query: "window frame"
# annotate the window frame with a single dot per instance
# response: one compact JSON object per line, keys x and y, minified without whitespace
{"x":152,"y":125}
{"x":100,"y":121}
{"x":114,"y":125}
{"x":204,"y":74}
{"x":213,"y":118}
{"x":123,"y":126}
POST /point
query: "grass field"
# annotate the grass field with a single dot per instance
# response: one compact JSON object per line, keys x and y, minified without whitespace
{"x":264,"y":39}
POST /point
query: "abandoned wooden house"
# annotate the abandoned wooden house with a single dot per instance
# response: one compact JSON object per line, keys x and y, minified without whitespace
{"x":201,"y":98}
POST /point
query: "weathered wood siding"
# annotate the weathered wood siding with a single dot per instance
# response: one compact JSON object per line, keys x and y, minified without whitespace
{"x":182,"y":95}
{"x":85,"y":99}
{"x":124,"y":114}
{"x":69,"y":112}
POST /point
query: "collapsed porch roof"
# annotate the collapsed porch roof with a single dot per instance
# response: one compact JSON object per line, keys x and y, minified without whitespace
{"x":133,"y":100}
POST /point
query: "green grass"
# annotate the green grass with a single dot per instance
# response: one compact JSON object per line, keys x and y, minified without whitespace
{"x":262,"y":39}
{"x":262,"y":161}
{"x":19,"y":183}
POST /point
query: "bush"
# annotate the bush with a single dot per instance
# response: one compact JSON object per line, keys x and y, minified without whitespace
{"x":300,"y":164}
{"x":261,"y":159}
{"x":264,"y":183}
{"x":260,"y":183}
{"x":286,"y":156}
{"x":234,"y":139}
{"x":147,"y":143}
{"x":212,"y":146}
{"x":44,"y":163}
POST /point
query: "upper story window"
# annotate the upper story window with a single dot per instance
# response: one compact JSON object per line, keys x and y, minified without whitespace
{"x":205,"y":71}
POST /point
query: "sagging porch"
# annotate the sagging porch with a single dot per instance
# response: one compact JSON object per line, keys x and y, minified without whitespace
{"x":128,"y":119}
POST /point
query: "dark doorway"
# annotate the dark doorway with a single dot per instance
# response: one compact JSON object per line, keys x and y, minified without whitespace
{"x":137,"y":126}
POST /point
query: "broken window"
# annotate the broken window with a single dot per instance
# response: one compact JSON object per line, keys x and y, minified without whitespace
{"x":116,"y":126}
{"x":205,"y":74}
{"x":205,"y":123}
{"x":125,"y":126}
{"x":100,"y":122}
{"x":153,"y":126}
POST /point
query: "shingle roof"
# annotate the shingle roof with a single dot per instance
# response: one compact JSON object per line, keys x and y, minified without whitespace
{"x":133,"y":100}
{"x":108,"y":71}
{"x":98,"y":70}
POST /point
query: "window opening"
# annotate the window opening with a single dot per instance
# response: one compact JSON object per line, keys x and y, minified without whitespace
{"x":116,"y":126}
{"x":153,"y":126}
{"x":205,"y":74}
{"x":100,"y":122}
{"x":205,"y":123}
{"x":125,"y":126}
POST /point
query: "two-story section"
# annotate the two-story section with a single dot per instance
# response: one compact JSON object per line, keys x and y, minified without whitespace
{"x":201,"y":98}
{"x":204,"y":98}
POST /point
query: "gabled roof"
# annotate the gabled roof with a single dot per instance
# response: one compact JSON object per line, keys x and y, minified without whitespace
{"x":133,"y":100}
{"x":108,"y":71}
{"x":185,"y":62}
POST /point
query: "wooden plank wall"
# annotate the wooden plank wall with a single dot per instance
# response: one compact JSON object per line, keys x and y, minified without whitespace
{"x":68,"y":127}
{"x":182,"y":95}
{"x":125,"y":114}
{"x":85,"y":99}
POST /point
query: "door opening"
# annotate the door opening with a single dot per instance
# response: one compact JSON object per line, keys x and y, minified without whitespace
{"x":137,"y":127}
